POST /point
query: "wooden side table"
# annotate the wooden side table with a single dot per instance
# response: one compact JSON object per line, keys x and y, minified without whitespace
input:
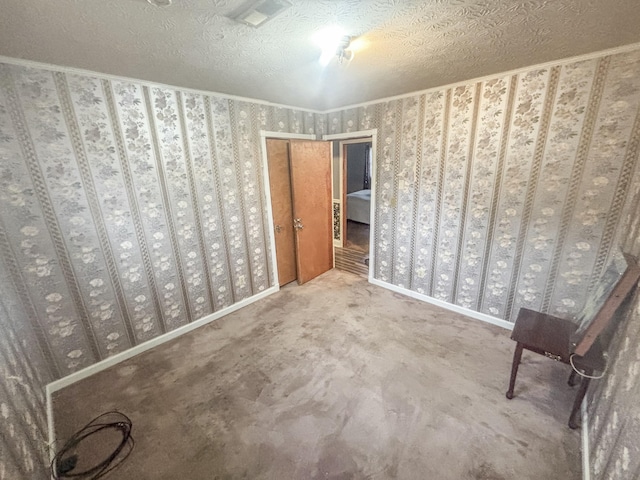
{"x":568,"y":342}
{"x":551,"y":336}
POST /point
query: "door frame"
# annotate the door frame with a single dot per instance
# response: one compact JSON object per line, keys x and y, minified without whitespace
{"x":264,"y":134}
{"x":361,"y":135}
{"x":343,"y":162}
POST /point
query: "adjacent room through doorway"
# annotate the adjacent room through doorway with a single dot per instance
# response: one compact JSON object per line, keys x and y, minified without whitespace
{"x":352,"y":212}
{"x":357,"y":195}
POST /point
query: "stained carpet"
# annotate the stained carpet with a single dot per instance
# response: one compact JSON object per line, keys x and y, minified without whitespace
{"x":335,"y":379}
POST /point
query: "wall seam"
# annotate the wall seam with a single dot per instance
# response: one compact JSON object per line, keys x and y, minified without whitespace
{"x":92,"y":199}
{"x":257,"y":156}
{"x":577,"y":173}
{"x":534,"y":175}
{"x":440,"y":189}
{"x":465,"y":195}
{"x":240,"y":187}
{"x":188,"y":160}
{"x":218,"y":191}
{"x":164,"y":191}
{"x":135,"y":212}
{"x":504,"y":142}
{"x":615,"y":213}
{"x":397,"y":151}
{"x":49,"y":216}
{"x":417,"y":188}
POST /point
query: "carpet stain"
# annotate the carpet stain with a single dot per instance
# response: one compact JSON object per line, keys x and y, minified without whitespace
{"x":486,"y":471}
{"x":336,"y":379}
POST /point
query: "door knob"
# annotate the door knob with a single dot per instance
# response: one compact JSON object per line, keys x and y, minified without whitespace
{"x":278,"y":228}
{"x":297,"y":224}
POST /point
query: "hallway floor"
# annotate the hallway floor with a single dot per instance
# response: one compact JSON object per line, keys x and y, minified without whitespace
{"x":335,"y":379}
{"x":357,"y":236}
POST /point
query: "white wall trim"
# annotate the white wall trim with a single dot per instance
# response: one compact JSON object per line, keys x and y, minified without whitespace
{"x":51,"y":432}
{"x":267,"y":201}
{"x":154,"y":342}
{"x":359,"y":137}
{"x":562,"y":61}
{"x":374,"y":189}
{"x":343,"y":201}
{"x":586,"y":454}
{"x":357,"y":140}
{"x":334,"y":201}
{"x":287,"y":136}
{"x":449,"y":306}
{"x":147,"y":83}
{"x":351,"y":135}
{"x":56,"y":385}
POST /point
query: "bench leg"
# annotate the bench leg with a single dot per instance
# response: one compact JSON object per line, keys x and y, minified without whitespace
{"x":572,"y":378}
{"x":584,"y":384}
{"x":517,"y":355}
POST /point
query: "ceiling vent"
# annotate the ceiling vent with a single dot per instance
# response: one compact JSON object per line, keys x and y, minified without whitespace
{"x":257,"y":13}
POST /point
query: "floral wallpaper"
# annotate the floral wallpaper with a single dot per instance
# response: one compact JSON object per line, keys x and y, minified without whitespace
{"x":614,"y":426}
{"x":129,"y":210}
{"x":336,"y":220}
{"x":506,"y":193}
{"x":513,"y":192}
{"x":126,"y":211}
{"x":23,"y":372}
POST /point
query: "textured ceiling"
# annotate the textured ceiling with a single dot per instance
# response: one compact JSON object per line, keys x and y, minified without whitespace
{"x":408,"y":45}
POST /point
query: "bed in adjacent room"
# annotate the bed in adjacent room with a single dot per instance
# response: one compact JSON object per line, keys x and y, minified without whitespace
{"x":359,"y":206}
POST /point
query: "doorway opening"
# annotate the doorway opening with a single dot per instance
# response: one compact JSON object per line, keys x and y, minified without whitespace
{"x":297,"y":173}
{"x":353,"y":187}
{"x":356,"y":194}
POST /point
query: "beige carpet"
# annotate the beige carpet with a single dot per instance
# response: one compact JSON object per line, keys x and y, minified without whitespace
{"x":335,"y":379}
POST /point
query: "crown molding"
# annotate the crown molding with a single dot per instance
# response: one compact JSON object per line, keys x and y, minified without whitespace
{"x":563,"y":61}
{"x":107,"y":76}
{"x":79,"y":71}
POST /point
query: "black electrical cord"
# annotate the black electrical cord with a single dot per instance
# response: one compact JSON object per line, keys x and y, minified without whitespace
{"x":66,"y":459}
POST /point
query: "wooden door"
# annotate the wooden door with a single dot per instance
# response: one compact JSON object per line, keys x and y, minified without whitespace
{"x":312,"y":205}
{"x":280,"y":183}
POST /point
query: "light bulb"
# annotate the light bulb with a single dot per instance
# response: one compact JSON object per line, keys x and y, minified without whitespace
{"x":328,"y":39}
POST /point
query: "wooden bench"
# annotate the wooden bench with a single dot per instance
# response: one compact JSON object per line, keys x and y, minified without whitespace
{"x":575,"y":343}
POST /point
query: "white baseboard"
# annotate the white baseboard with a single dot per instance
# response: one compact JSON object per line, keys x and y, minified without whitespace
{"x":586,"y":454}
{"x":104,"y":364}
{"x":132,"y":352}
{"x":449,"y":306}
{"x":50,"y":425}
{"x":143,"y":347}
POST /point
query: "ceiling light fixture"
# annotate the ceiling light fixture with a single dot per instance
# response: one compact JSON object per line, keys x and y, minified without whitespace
{"x":334,"y":42}
{"x":343,"y":52}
